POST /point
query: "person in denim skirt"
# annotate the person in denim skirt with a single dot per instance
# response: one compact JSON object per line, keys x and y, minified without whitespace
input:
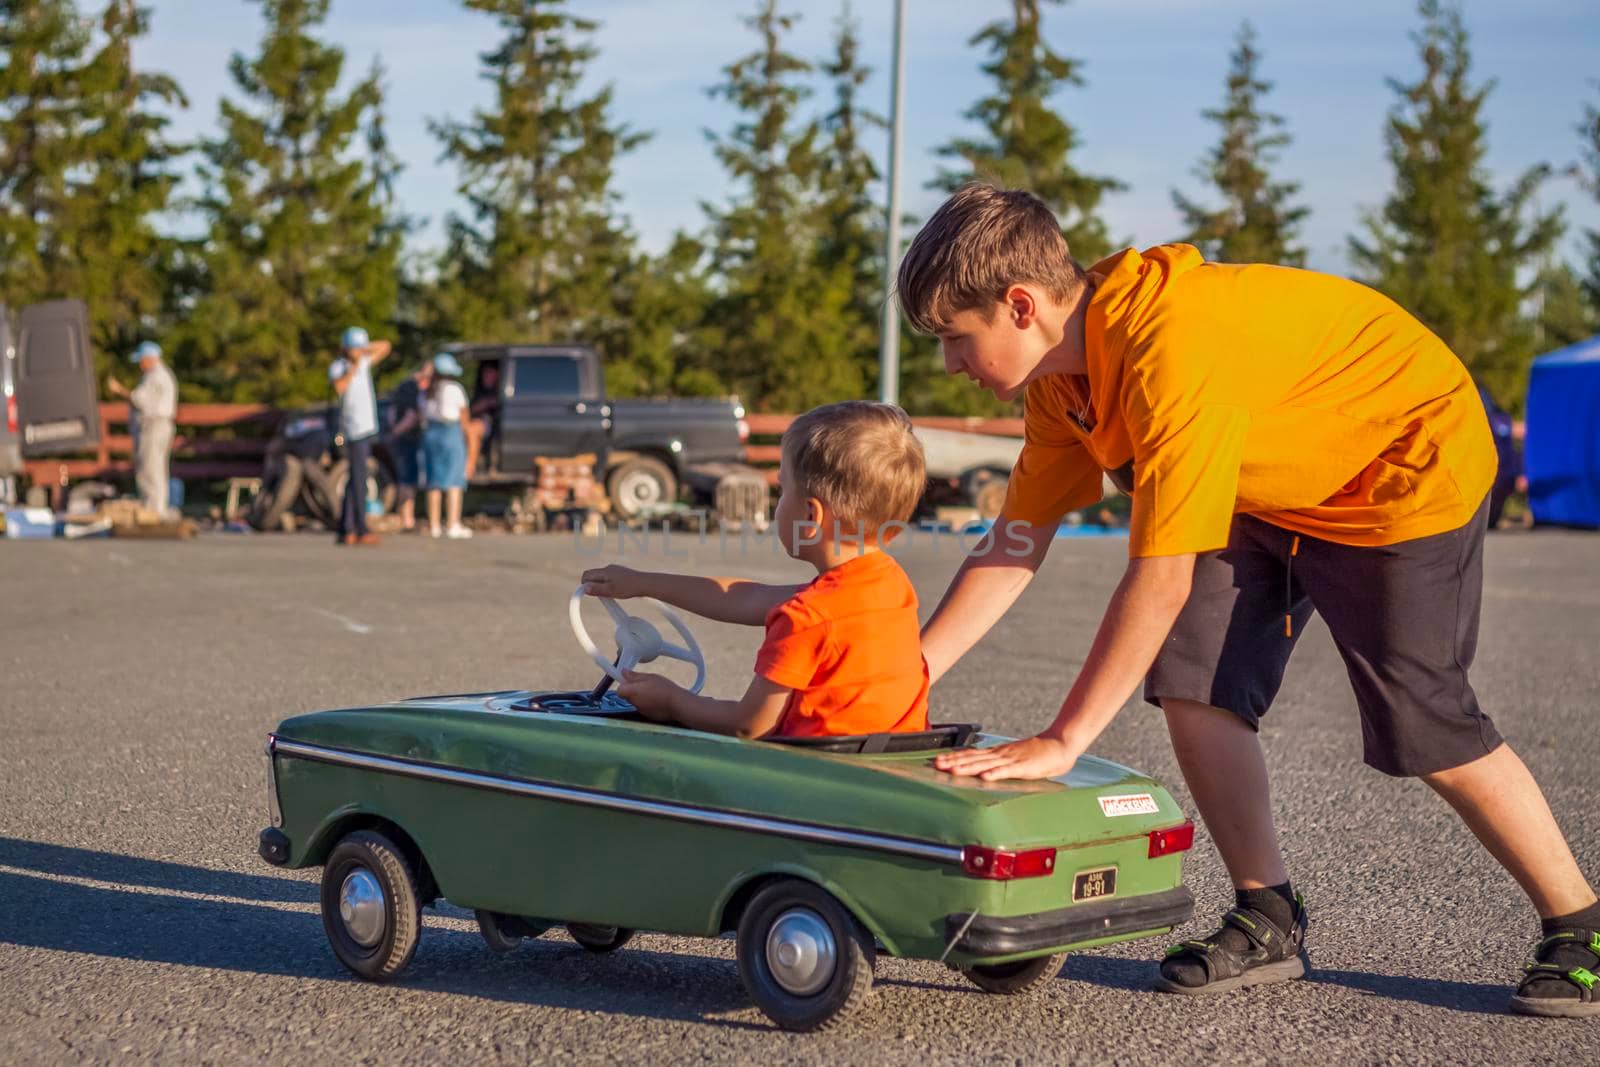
{"x":444,"y":446}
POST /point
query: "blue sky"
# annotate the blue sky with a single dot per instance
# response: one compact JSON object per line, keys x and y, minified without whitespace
{"x":1151,"y":65}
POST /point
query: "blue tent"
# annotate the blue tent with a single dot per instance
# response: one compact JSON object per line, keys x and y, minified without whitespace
{"x":1562,"y":452}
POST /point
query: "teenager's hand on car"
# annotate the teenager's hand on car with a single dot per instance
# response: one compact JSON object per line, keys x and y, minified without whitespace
{"x":652,"y":694}
{"x":1034,"y":757}
{"x":614,"y":581}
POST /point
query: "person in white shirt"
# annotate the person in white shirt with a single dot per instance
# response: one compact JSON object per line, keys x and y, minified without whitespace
{"x":152,"y":419}
{"x":351,"y":376}
{"x":444,"y":445}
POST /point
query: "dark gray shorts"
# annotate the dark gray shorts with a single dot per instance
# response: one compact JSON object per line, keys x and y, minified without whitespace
{"x":1405,"y":618}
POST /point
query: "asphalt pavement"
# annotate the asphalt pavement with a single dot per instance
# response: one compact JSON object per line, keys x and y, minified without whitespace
{"x":138,"y":680}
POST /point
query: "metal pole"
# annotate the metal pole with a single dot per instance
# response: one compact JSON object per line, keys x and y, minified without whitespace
{"x":889,"y":350}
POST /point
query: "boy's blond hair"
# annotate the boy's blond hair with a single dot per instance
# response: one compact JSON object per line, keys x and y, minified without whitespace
{"x":859,"y":458}
{"x":980,"y":242}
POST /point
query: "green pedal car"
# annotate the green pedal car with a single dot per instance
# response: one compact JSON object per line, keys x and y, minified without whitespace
{"x":541,"y":808}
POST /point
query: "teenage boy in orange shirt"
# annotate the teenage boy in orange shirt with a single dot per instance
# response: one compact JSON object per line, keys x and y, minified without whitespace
{"x":842,"y":653}
{"x":1292,"y":441}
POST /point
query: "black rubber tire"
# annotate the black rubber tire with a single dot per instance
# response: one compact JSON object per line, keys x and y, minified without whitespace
{"x":851,"y":982}
{"x":388,"y":487}
{"x":280,"y":485}
{"x":499,"y":932}
{"x":402,"y":907}
{"x":636,"y":467}
{"x":316,"y":495}
{"x":1018,"y":976}
{"x":599,"y":939}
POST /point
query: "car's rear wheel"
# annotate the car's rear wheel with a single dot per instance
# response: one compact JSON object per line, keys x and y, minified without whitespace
{"x":370,"y":906}
{"x":598,"y":938}
{"x":640,"y":485}
{"x":1018,"y":976}
{"x":804,"y":959}
{"x":316,"y":494}
{"x":505,"y":933}
{"x":280,"y":484}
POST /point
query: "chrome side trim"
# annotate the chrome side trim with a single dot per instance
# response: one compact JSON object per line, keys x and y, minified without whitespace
{"x":274,"y":808}
{"x":800,"y":831}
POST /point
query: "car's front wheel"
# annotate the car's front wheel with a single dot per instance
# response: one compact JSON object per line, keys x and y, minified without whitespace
{"x":1018,"y":976}
{"x":370,"y":905}
{"x":805,"y":960}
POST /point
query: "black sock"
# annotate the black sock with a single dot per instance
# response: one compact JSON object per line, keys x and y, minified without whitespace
{"x":1275,"y":902}
{"x":1587,"y":919}
{"x":1568,"y":954}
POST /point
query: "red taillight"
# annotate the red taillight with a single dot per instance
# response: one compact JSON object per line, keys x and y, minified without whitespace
{"x":1002,"y":866}
{"x":1173,"y":839}
{"x":11,"y":415}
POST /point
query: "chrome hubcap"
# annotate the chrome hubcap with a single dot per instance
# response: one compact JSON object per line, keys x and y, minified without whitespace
{"x":361,"y":907}
{"x":801,"y":952}
{"x":640,"y":490}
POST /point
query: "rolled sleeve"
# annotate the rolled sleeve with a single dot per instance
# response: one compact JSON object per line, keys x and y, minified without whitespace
{"x":1186,"y":481}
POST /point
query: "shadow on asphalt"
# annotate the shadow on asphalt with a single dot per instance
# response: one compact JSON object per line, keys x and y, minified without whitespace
{"x":154,"y":874}
{"x":156,"y":927}
{"x":1474,"y":997}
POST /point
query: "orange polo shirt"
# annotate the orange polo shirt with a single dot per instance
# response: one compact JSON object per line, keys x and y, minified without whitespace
{"x":1310,"y":401}
{"x":850,"y":647}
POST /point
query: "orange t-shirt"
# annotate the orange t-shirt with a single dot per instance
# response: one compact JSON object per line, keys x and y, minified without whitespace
{"x":850,"y":647}
{"x":1309,"y":401}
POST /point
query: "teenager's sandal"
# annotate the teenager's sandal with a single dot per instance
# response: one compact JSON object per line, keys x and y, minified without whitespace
{"x":1561,"y":990}
{"x":1274,"y":955}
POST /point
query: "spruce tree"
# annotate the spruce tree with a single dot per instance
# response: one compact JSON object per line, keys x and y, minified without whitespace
{"x":541,"y":251}
{"x":1565,"y":314}
{"x":1027,"y":145}
{"x":850,"y":220}
{"x":1256,"y":223}
{"x":42,"y":43}
{"x":300,"y":242}
{"x":1446,"y":246}
{"x":662,"y":342}
{"x":124,"y":263}
{"x":1590,"y":130}
{"x":783,"y":324}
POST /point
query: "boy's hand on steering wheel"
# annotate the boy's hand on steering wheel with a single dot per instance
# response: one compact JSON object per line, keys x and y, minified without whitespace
{"x":614,"y":581}
{"x":652,"y":694}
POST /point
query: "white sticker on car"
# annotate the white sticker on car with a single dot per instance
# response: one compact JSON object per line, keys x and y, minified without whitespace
{"x":1129,"y":804}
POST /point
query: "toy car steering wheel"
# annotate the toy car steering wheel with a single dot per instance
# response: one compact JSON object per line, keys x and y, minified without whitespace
{"x":637,"y":640}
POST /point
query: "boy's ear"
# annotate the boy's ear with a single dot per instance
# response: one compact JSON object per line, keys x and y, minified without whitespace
{"x":816,"y":513}
{"x":1021,"y":306}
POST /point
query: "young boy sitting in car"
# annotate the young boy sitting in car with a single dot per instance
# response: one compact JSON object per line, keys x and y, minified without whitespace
{"x":842,"y":653}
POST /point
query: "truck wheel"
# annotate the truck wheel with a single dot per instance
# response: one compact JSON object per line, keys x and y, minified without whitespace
{"x":380,"y":483}
{"x":804,"y":959}
{"x":370,"y":907}
{"x":639,"y":485}
{"x":280,"y":484}
{"x":1019,"y":976}
{"x":599,"y":939}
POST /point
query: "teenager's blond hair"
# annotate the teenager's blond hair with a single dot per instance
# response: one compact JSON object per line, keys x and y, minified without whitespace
{"x":859,"y":458}
{"x":980,"y":242}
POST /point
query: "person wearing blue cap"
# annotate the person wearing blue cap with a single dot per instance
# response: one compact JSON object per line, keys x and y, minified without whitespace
{"x":152,"y":415}
{"x":351,"y":376}
{"x":444,"y":446}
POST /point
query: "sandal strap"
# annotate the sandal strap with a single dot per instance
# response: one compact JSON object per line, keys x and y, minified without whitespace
{"x":1254,"y":925}
{"x":1581,"y":977}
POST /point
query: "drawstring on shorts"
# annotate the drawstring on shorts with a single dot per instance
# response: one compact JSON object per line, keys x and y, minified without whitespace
{"x":1288,"y":588}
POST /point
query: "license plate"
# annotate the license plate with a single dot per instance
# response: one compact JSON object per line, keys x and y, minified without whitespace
{"x":1091,"y":885}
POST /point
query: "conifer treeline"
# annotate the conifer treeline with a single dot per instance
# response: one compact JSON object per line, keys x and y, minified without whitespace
{"x":294,"y":230}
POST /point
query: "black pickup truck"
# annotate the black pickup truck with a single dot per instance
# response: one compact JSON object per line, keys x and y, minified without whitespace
{"x":547,"y":401}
